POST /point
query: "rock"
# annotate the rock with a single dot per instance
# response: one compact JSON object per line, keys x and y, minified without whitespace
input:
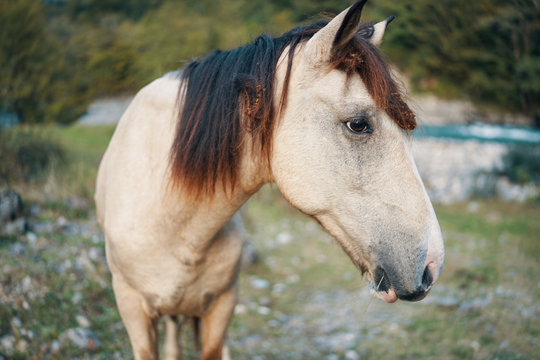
{"x":81,"y":338}
{"x":450,"y":169}
{"x":474,"y":304}
{"x":351,"y":355}
{"x":263,"y":310}
{"x":77,"y":203}
{"x":292,"y":278}
{"x":96,"y":254}
{"x":83,"y":321}
{"x":26,"y":284}
{"x":472,"y":207}
{"x":28,"y":333}
{"x":7,"y":344}
{"x":17,"y":249}
{"x":16,"y":322}
{"x":260,"y":284}
{"x":10,"y":205}
{"x":22,"y":346}
{"x":67,"y":227}
{"x":18,"y":226}
{"x":250,"y":255}
{"x":31,"y":238}
{"x":507,"y":191}
{"x":34,"y":210}
{"x":278,"y":288}
{"x":338,"y":342}
{"x":240,"y":309}
{"x":77,"y":297}
{"x":448,"y":301}
{"x":284,"y":238}
{"x":56,"y":346}
{"x":43,"y":227}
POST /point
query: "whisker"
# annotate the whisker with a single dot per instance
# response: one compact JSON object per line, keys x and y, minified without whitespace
{"x":364,"y":313}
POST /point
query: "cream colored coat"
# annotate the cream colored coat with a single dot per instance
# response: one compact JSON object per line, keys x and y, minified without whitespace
{"x":169,"y":256}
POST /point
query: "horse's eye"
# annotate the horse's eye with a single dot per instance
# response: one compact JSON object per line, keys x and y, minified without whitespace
{"x":359,"y":126}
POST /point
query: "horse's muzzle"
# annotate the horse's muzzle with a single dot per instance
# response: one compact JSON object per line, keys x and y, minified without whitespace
{"x":389,"y":288}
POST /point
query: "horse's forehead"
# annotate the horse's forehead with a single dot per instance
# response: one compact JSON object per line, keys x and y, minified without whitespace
{"x":338,"y":89}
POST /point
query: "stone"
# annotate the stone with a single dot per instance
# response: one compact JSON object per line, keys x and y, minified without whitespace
{"x":263,"y":310}
{"x":7,"y":344}
{"x":240,"y":309}
{"x":447,"y":301}
{"x":260,"y":284}
{"x":15,"y":227}
{"x":22,"y":346}
{"x":278,"y":288}
{"x":77,"y":203}
{"x":250,"y":255}
{"x":351,"y":355}
{"x":16,"y":322}
{"x":474,"y":304}
{"x":82,"y":321}
{"x":26,"y":284}
{"x":56,"y":346}
{"x":284,"y":238}
{"x":508,"y":191}
{"x":77,"y":297}
{"x":17,"y":249}
{"x":81,"y":338}
{"x":96,"y":254}
{"x":31,"y":238}
{"x":10,"y":205}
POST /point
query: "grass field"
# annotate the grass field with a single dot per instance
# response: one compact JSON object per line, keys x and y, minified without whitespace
{"x":302,"y":300}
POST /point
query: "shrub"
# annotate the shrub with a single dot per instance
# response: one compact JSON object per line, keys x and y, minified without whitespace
{"x":27,"y":154}
{"x":521,"y":164}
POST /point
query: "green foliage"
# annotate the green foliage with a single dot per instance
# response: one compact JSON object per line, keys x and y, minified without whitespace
{"x":56,"y":56}
{"x":488,"y":50}
{"x":27,"y":154}
{"x":522,"y":164}
{"x":95,"y":9}
{"x":38,"y":80}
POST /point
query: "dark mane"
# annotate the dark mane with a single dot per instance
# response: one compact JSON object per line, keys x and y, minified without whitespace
{"x":230,"y":94}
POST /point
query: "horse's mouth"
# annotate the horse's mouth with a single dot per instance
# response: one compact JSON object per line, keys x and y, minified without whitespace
{"x":383,"y":289}
{"x":389,"y":295}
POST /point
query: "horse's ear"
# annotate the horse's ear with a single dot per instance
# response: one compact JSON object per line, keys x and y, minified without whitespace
{"x":335,"y":34}
{"x":378,"y":31}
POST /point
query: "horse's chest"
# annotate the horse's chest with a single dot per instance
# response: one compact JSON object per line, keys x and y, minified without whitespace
{"x":201,"y":279}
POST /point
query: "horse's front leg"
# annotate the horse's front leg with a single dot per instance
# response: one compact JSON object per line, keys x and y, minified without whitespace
{"x":139,"y":320}
{"x":214,"y":326}
{"x":173,"y":349}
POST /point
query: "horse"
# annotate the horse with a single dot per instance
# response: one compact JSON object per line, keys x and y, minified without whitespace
{"x":315,"y":111}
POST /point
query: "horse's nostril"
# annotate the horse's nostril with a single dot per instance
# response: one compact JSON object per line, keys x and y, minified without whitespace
{"x":427,"y":278}
{"x":382,"y":281}
{"x":421,"y":290}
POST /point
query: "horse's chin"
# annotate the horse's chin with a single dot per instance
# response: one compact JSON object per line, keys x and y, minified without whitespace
{"x":389,"y":296}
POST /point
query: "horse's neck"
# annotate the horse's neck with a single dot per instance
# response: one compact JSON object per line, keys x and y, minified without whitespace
{"x":199,"y":221}
{"x":197,"y":224}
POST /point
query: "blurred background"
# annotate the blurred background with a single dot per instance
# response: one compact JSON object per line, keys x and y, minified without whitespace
{"x":69,"y":68}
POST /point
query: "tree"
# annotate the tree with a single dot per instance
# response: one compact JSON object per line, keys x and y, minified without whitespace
{"x":23,"y":46}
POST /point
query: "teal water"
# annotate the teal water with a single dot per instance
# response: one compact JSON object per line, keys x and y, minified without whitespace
{"x":481,"y":132}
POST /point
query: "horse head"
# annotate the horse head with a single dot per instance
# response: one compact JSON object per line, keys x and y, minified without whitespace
{"x":341,"y":154}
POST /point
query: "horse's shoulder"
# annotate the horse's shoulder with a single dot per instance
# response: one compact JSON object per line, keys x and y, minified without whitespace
{"x":160,"y":94}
